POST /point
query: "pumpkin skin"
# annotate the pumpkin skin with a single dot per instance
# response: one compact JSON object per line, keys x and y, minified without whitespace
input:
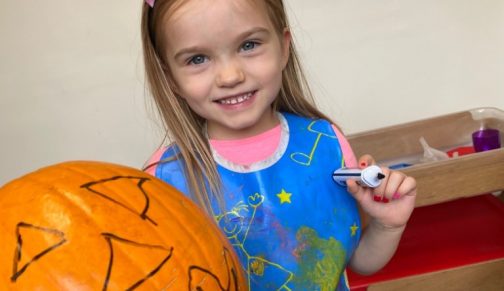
{"x":98,"y":226}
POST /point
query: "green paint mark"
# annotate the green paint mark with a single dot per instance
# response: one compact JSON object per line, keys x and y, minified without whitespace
{"x":322,"y":261}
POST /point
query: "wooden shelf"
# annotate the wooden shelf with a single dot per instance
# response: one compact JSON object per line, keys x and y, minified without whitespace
{"x":456,"y":239}
{"x":439,"y":181}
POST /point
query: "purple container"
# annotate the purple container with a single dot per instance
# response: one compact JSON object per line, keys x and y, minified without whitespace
{"x":486,"y":139}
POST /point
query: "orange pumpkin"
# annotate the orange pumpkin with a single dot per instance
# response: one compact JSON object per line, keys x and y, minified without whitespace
{"x":98,"y":226}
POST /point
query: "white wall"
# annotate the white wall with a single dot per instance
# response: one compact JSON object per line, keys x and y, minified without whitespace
{"x":377,"y":63}
{"x":71,"y":79}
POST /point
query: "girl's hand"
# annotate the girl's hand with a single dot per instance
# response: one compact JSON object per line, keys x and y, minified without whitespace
{"x":390,"y":204}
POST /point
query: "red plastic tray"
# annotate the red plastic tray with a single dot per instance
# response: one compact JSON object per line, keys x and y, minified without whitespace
{"x":444,"y":236}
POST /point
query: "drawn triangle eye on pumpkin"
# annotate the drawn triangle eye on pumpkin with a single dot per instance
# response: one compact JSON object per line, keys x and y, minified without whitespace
{"x":120,"y":252}
{"x":33,"y":243}
{"x":137,"y":203}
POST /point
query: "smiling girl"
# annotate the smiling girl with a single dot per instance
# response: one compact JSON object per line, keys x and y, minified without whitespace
{"x":254,"y":152}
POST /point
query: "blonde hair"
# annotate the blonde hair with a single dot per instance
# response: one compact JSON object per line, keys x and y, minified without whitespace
{"x":185,"y":127}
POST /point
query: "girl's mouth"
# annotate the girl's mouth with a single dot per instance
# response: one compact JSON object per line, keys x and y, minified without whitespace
{"x":236,"y":99}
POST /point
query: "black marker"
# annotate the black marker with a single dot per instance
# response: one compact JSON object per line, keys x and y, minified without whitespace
{"x":370,"y":176}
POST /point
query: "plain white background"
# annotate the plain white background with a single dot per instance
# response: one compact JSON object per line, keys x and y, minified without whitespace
{"x":71,"y":75}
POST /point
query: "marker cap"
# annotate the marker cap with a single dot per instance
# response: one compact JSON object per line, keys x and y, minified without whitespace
{"x":372,"y":176}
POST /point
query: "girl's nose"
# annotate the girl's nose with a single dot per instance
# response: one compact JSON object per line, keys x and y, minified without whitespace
{"x":230,"y":74}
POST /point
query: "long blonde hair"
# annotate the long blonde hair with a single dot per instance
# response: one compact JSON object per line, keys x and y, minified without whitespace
{"x":184,"y":126}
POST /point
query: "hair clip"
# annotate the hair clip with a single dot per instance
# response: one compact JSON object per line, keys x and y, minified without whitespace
{"x":150,"y":3}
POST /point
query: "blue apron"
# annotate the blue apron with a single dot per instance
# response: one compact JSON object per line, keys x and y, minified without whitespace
{"x":291,"y":225}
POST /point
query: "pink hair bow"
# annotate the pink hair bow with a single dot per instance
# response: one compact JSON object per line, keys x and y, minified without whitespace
{"x":150,"y":3}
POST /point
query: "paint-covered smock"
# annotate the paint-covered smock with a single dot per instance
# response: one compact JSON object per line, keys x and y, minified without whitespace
{"x":291,"y":225}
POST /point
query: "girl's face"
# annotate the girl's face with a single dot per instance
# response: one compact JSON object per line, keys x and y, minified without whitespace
{"x":227,"y":60}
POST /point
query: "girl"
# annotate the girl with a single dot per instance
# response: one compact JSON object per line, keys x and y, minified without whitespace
{"x":255,"y":153}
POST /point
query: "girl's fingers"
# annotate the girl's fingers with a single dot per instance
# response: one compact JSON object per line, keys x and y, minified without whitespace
{"x":399,"y":185}
{"x":353,"y":188}
{"x":380,"y":190}
{"x":408,"y":187}
{"x":361,"y":194}
{"x":365,"y":161}
{"x":393,"y":183}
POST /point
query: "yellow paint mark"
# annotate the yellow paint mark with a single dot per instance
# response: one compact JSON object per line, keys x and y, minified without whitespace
{"x":354,"y":229}
{"x":284,"y":197}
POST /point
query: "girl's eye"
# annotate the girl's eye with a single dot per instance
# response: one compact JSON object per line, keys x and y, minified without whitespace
{"x":249,"y":45}
{"x":197,"y":60}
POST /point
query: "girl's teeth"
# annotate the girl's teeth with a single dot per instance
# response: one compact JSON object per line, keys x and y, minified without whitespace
{"x":236,"y":100}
